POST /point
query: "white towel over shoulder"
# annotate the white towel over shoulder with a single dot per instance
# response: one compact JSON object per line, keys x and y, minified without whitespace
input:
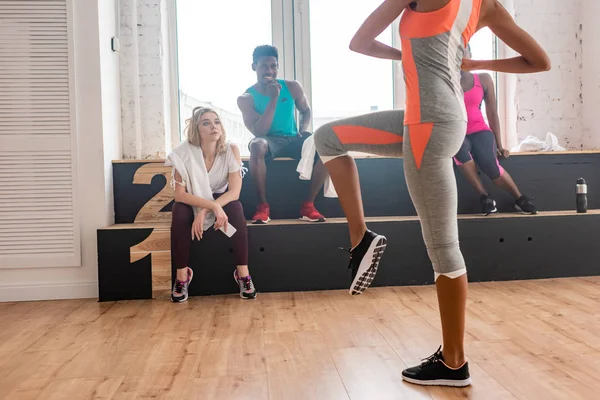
{"x":188,"y":160}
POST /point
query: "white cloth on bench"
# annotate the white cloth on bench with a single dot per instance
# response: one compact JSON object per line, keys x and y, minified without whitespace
{"x":305,"y":166}
{"x":533,"y":143}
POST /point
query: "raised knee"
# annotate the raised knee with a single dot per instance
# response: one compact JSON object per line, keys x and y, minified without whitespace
{"x":259,"y":148}
{"x":321,"y":136}
{"x":235,"y":205}
{"x":493,"y":172}
{"x":447,"y":259}
{"x":181,"y":213}
{"x":235,"y":213}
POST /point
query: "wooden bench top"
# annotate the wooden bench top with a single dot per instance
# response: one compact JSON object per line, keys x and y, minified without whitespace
{"x":367,"y":156}
{"x":566,"y":213}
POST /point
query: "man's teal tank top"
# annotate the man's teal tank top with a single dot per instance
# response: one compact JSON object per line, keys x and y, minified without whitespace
{"x":284,"y":120}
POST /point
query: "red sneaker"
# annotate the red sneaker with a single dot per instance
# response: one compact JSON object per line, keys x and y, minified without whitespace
{"x":261,"y":216}
{"x":308,"y":212}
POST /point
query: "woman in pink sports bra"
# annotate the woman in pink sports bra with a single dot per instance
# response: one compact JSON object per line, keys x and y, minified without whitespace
{"x":483,"y":146}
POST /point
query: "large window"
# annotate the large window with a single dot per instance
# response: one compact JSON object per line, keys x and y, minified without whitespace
{"x":483,"y":47}
{"x":343,"y":82}
{"x":215,"y":47}
{"x":216,"y":40}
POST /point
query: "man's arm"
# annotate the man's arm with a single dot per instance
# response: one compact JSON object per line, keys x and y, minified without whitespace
{"x":364,"y":40}
{"x":258,"y":124}
{"x":301,"y":102}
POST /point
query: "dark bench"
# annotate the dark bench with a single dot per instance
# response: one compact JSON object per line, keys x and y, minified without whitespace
{"x":134,"y":254}
{"x":548,"y":177}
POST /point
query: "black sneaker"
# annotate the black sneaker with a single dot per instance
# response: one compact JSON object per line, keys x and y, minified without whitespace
{"x":525,"y":205}
{"x":488,"y":205}
{"x":434,"y":372}
{"x":364,"y":261}
{"x":179,"y":294}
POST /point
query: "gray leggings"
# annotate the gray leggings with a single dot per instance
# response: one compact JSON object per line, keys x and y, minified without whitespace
{"x":427,"y":150}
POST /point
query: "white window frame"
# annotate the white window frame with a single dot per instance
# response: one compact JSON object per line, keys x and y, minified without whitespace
{"x":303,"y":62}
{"x":282,"y":23}
{"x":173,"y":61}
{"x":301,"y":21}
{"x":291,"y":35}
{"x":506,"y":90}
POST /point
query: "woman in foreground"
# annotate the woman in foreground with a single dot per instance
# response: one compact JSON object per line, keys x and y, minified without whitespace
{"x":434,"y":34}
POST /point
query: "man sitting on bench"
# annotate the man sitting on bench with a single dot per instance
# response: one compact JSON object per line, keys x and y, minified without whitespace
{"x":268,"y":109}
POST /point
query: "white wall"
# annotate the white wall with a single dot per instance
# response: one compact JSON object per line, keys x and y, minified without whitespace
{"x":111,"y":98}
{"x":552,"y":101}
{"x":92,"y":67}
{"x":143,"y":73}
{"x":130,"y":81}
{"x":591,"y":72}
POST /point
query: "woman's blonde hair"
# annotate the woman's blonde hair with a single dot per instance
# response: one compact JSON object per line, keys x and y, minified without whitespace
{"x":193,"y":133}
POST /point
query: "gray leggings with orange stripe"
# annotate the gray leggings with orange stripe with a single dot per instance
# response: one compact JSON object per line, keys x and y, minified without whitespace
{"x":427,"y":150}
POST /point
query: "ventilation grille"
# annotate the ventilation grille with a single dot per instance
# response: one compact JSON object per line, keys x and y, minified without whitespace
{"x":38,"y":225}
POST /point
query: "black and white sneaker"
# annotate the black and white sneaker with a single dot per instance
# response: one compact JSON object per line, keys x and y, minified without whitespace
{"x":488,"y":205}
{"x":525,"y":204}
{"x":434,"y":372}
{"x":364,"y":261}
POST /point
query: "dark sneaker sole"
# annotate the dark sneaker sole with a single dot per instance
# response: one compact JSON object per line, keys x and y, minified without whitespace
{"x":261,"y":222}
{"x":184,"y":299}
{"x":525,"y":212}
{"x":312,"y":220}
{"x":494,"y":211}
{"x":368,"y":266}
{"x":439,"y":382}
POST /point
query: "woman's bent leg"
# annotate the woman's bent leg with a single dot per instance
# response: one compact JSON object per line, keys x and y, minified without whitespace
{"x":377,"y":133}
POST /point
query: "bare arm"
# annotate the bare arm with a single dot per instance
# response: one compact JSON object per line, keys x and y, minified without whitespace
{"x":258,"y":124}
{"x":182,"y":196}
{"x":532,"y":57}
{"x":301,"y":102}
{"x":491,"y":108}
{"x":234,"y":182}
{"x":364,"y":40}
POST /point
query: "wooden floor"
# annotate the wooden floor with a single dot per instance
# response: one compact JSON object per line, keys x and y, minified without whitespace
{"x":526,"y":340}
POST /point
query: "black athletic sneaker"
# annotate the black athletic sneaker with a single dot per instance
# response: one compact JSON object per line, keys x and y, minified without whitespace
{"x":364,"y":261}
{"x":525,"y":205}
{"x":488,"y":205}
{"x":434,"y":372}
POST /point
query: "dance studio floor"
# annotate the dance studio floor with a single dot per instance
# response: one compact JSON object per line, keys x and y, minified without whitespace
{"x":526,"y":340}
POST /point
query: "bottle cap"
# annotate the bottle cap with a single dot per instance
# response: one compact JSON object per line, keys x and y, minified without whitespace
{"x":581,"y":181}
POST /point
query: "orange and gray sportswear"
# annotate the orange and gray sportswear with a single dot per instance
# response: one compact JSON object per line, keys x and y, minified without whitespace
{"x":431,"y":129}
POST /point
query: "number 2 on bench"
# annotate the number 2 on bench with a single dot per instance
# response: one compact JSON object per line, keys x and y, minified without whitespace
{"x":150,"y":212}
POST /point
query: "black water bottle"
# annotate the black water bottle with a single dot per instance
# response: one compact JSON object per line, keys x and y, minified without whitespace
{"x":582,"y":203}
